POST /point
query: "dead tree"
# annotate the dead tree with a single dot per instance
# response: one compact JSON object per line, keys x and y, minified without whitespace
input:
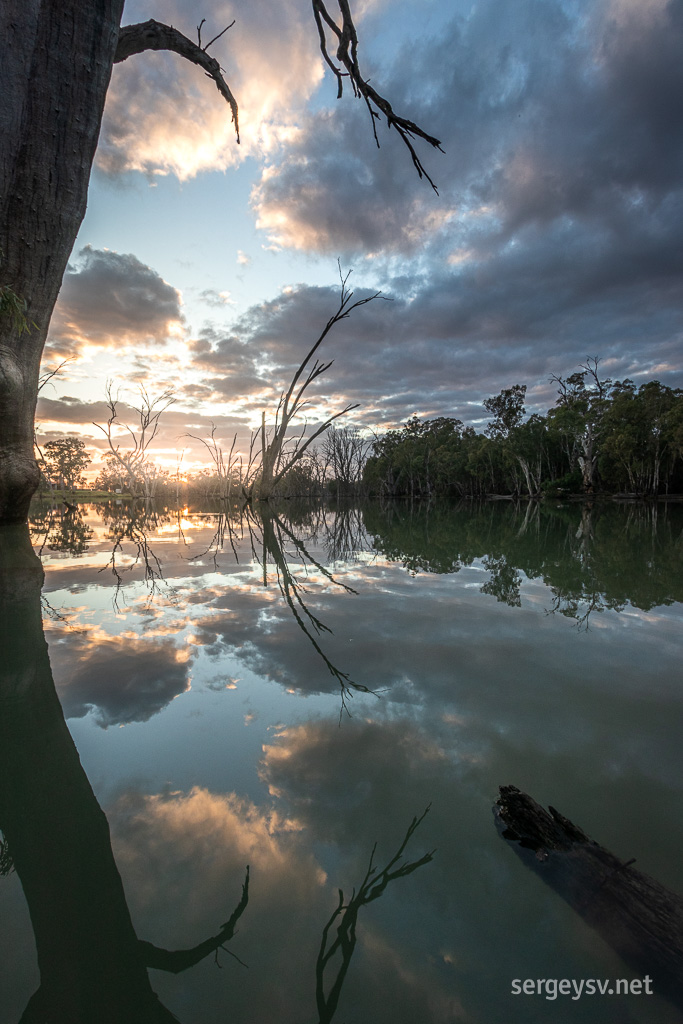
{"x":345,"y":451}
{"x":225,"y":468}
{"x":345,"y":916}
{"x":56,"y":62}
{"x":635,"y":914}
{"x":139,"y":471}
{"x":278,"y":452}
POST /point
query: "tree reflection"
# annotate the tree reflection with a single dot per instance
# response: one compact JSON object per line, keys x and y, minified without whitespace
{"x":275,"y":534}
{"x":54,"y":833}
{"x":59,"y":531}
{"x":345,"y":917}
{"x":269,"y":535}
{"x":92,"y":966}
{"x":505,"y":581}
{"x":592,"y":557}
{"x":133,"y":523}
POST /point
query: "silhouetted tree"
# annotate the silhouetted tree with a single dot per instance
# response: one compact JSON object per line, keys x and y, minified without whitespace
{"x":55,"y":67}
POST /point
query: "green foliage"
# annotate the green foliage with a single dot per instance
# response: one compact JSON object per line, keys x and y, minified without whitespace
{"x":591,"y":557}
{"x":600,"y":433}
{"x":13,"y":308}
{"x":508,"y":410}
{"x":64,"y":460}
{"x":570,"y":483}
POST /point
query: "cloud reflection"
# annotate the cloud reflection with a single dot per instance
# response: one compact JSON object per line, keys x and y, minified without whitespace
{"x":119,"y":679}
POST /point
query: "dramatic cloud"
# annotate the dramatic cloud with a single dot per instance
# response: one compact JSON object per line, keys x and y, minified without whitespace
{"x":164,"y":116}
{"x":119,"y":679}
{"x":183,"y":858}
{"x":109,"y":298}
{"x":557,"y":232}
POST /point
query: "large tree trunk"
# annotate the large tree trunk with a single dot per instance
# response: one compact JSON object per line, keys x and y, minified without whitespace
{"x":57,"y":61}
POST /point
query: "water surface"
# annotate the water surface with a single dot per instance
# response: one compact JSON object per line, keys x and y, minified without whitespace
{"x":288,"y":692}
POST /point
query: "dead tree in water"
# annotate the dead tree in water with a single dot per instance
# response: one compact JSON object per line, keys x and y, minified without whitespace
{"x":278,"y":452}
{"x":639,"y":918}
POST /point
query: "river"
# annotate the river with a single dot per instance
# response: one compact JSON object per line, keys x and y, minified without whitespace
{"x":290,"y":692}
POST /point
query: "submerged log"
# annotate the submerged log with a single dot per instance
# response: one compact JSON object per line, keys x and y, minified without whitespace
{"x":636,"y":915}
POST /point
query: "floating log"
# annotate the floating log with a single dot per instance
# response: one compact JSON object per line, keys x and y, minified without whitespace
{"x":636,"y":915}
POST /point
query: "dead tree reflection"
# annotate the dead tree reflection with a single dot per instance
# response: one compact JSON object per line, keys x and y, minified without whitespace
{"x":92,"y":964}
{"x":345,"y":534}
{"x":133,"y":524}
{"x":269,"y":534}
{"x":274,"y":535}
{"x":345,"y":916}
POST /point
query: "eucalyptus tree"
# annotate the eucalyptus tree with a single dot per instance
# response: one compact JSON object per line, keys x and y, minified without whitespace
{"x":640,"y":436}
{"x":64,"y":460}
{"x":582,"y":403}
{"x":56,"y":61}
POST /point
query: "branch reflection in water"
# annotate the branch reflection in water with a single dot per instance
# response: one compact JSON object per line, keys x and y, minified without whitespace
{"x":503,"y":692}
{"x":92,"y":964}
{"x":269,"y":533}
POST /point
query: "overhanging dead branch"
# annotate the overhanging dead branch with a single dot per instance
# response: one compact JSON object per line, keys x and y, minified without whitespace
{"x":346,"y":40}
{"x":153,"y":35}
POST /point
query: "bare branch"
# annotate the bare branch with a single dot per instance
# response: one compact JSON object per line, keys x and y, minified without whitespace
{"x":373,"y":885}
{"x":215,"y":38}
{"x":309,"y":440}
{"x":135,"y":464}
{"x":153,"y":35}
{"x":178,"y":960}
{"x":347,"y":56}
{"x":49,"y":374}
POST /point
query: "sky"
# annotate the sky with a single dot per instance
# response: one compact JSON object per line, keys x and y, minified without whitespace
{"x":210,"y":268}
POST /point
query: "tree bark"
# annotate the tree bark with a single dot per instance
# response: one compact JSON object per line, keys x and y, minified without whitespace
{"x":635,"y":914}
{"x":54,"y":75}
{"x":57,"y":61}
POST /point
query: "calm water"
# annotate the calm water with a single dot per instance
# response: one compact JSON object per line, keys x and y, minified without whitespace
{"x":287,"y":693}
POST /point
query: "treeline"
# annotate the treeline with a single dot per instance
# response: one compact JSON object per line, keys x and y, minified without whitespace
{"x":600,"y":435}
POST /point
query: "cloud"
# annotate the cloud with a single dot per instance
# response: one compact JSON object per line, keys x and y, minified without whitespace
{"x":217,"y":299}
{"x":119,"y":679}
{"x":541,"y":114}
{"x":163,"y":116}
{"x":74,"y":411}
{"x":556,"y":234}
{"x":182,"y":856}
{"x":108,"y":299}
{"x":557,"y":231}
